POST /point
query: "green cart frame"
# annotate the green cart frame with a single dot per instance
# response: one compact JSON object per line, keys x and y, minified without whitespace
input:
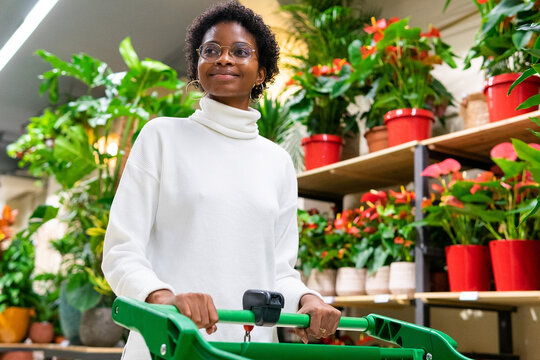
{"x":171,"y":336}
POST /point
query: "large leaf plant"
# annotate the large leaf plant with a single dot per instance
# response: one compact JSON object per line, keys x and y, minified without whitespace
{"x":71,"y":142}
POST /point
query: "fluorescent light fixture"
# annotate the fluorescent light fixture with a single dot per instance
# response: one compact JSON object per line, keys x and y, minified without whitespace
{"x":30,"y":23}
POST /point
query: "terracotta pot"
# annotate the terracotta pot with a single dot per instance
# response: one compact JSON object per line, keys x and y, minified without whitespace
{"x":516,"y":264}
{"x":379,"y":282}
{"x":377,"y":138}
{"x":468,"y":267}
{"x":402,"y":278}
{"x":406,"y":125}
{"x":503,"y":106}
{"x":41,"y":332}
{"x":321,"y":150}
{"x":14,"y":322}
{"x":98,"y":328}
{"x":350,"y":281}
{"x":323,"y":282}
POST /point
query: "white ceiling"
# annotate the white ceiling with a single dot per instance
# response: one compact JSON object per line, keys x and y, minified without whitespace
{"x":96,"y":27}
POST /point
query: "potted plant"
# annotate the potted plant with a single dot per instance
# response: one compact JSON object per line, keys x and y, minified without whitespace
{"x":45,"y":319}
{"x":321,"y":104}
{"x":324,"y":29}
{"x":350,"y":279}
{"x":400,"y":237}
{"x":17,"y":296}
{"x":515,"y":252}
{"x":467,"y":259}
{"x":500,"y":42}
{"x":397,"y":61}
{"x":317,"y":252}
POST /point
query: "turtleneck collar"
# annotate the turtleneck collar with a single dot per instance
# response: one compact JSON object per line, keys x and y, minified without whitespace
{"x":227,"y":120}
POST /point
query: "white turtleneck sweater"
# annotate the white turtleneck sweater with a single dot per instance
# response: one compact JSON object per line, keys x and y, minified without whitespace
{"x":205,"y":205}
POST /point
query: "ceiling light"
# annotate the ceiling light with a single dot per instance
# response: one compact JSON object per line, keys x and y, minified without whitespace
{"x":30,"y":23}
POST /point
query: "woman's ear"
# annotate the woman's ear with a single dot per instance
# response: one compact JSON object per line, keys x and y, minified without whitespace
{"x":261,"y":75}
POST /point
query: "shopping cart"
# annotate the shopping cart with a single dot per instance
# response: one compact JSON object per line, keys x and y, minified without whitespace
{"x":172,"y":336}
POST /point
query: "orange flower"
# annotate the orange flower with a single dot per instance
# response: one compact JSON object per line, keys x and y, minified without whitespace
{"x":452,"y":201}
{"x":341,"y":252}
{"x":367,"y":50}
{"x":323,"y":254}
{"x":428,"y":202}
{"x":407,"y":243}
{"x":339,"y":63}
{"x":433,"y":32}
{"x":290,"y":82}
{"x":399,"y":240}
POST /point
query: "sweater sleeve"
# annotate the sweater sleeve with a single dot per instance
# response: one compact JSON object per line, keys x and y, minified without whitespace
{"x":125,"y":265}
{"x":287,"y":278}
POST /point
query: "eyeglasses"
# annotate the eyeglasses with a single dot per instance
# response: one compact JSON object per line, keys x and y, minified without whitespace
{"x":241,"y":52}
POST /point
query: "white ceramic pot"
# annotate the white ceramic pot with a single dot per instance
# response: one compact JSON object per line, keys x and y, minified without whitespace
{"x":378,"y":283}
{"x":323,"y":282}
{"x":403,"y":278}
{"x":351,"y":281}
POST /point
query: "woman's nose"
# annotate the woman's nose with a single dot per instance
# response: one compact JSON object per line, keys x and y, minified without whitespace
{"x":225,"y":57}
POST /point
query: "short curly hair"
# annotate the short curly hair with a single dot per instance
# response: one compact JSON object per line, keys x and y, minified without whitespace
{"x":232,"y":11}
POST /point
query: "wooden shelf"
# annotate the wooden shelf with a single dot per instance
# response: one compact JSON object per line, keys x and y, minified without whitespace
{"x":482,"y":298}
{"x":395,"y":165}
{"x":67,"y":352}
{"x":384,"y":300}
{"x":387,"y":167}
{"x":476,"y":143}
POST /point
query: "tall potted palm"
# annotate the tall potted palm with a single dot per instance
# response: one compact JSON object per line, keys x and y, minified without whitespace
{"x":324,"y":28}
{"x":83,"y":143}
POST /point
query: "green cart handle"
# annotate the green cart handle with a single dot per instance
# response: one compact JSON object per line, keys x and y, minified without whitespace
{"x":162,"y":327}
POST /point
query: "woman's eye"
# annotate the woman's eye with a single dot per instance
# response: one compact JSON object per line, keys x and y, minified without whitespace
{"x":241,"y":51}
{"x":210,"y":51}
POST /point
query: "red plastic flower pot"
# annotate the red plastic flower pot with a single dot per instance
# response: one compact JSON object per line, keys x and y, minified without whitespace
{"x":321,"y":150}
{"x":500,"y":105}
{"x":516,"y":264}
{"x":468,"y":267}
{"x":406,"y":125}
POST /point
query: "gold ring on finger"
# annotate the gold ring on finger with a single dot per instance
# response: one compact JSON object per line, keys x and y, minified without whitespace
{"x":322,"y":330}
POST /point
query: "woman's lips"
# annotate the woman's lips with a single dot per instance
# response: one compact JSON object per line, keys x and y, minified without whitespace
{"x":224,"y":76}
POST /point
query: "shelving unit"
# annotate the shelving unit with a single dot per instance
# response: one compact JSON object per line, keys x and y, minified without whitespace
{"x":403,"y":164}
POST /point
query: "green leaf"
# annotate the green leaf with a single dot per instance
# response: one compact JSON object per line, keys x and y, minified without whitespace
{"x":526,"y":152}
{"x":75,"y":155}
{"x":129,"y":55}
{"x":510,"y":168}
{"x":80,"y":293}
{"x":532,"y":101}
{"x":506,"y":8}
{"x":526,"y":74}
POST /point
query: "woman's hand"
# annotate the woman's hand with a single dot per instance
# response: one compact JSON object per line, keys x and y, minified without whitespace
{"x":324,"y":319}
{"x":198,"y":307}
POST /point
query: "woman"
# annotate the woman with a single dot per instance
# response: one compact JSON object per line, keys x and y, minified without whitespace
{"x":206,"y":207}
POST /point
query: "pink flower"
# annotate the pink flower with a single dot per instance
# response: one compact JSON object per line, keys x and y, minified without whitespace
{"x":504,"y":150}
{"x":433,"y":171}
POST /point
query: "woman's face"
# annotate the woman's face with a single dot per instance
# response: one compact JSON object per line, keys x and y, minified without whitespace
{"x":228,"y":78}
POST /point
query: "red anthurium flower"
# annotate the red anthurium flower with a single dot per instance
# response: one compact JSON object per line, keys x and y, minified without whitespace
{"x":475,"y":188}
{"x":323,"y":254}
{"x":367,"y":50}
{"x":369,"y":230}
{"x":504,"y":150}
{"x":326,"y":70}
{"x":353,"y":230}
{"x":403,"y":197}
{"x":449,"y":165}
{"x":339,"y":63}
{"x":481,"y":1}
{"x":437,"y":188}
{"x":328,"y":228}
{"x":311,"y":226}
{"x":535,"y":146}
{"x":506,"y":186}
{"x":316,"y":70}
{"x":356,"y":220}
{"x":377,"y":28}
{"x":433,"y":32}
{"x":370,"y":213}
{"x":347,"y":214}
{"x":399,"y":240}
{"x":452,"y":201}
{"x":339,"y":222}
{"x":290,"y":82}
{"x":428,"y":202}
{"x":432,"y":170}
{"x":393,"y":20}
{"x":374,"y":196}
{"x":484,"y":177}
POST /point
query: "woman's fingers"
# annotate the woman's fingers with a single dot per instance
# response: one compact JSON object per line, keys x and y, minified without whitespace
{"x":199,"y":308}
